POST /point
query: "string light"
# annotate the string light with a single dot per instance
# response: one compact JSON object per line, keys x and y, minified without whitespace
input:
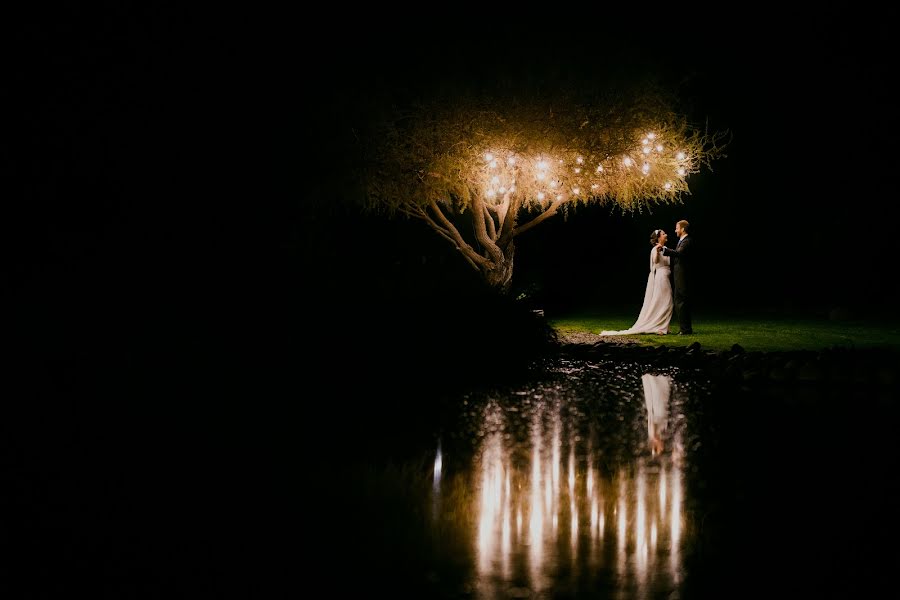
{"x":503,"y":167}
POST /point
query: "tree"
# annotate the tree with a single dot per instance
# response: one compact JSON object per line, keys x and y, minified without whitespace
{"x":510,"y":166}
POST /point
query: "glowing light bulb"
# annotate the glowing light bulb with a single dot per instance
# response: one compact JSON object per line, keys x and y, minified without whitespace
{"x":577,"y":170}
{"x":599,"y":168}
{"x":680,"y":171}
{"x":502,"y":190}
{"x":646,"y":149}
{"x":668,"y":185}
{"x":627,"y":161}
{"x":560,"y":161}
{"x":493,"y":164}
{"x":541,"y":175}
{"x":645,"y":141}
{"x":659,"y":147}
{"x":576,"y":190}
{"x":559,"y":196}
{"x":488,"y":157}
{"x":646,"y":168}
{"x":652,"y":136}
{"x":491,"y":193}
{"x":579,"y":160}
{"x":540,"y":195}
{"x":594,"y":186}
{"x":495,"y":179}
{"x":542,"y":164}
{"x":511,"y":160}
{"x":553,"y":184}
{"x":680,"y":156}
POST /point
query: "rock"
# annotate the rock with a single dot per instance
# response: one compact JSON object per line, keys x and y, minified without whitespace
{"x":737,"y":349}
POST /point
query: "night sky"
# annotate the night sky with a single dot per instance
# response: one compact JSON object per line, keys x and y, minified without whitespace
{"x":177,"y":225}
{"x":177,"y":152}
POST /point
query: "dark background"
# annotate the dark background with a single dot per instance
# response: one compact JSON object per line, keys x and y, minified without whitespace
{"x":190,"y":284}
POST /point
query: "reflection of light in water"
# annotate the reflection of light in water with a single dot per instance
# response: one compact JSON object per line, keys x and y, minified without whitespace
{"x":521,"y":506}
{"x":662,"y":490}
{"x":536,"y":518}
{"x":492,"y":501}
{"x":640,"y":532}
{"x":548,"y":493}
{"x":574,"y":529}
{"x":438,"y":465}
{"x":675,"y":521}
{"x":622,"y":513}
{"x":572,"y":472}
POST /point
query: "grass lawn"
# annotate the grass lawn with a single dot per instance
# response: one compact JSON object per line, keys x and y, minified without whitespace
{"x":765,"y":333}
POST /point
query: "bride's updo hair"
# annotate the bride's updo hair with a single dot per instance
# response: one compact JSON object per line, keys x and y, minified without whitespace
{"x":654,"y":237}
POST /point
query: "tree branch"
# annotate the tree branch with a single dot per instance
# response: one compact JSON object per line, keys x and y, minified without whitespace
{"x":461,"y":244}
{"x":489,"y":219}
{"x":480,"y":229}
{"x":509,"y":221}
{"x":538,"y":219}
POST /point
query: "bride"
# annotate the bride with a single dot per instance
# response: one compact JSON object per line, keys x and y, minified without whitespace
{"x":657,"y":309}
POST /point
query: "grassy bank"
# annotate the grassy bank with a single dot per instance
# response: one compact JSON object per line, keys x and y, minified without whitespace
{"x":765,"y":333}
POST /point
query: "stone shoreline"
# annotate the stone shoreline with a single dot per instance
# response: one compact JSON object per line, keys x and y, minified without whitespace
{"x":837,"y":365}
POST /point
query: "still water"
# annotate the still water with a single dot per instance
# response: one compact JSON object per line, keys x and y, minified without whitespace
{"x":552,"y":501}
{"x":607,"y":480}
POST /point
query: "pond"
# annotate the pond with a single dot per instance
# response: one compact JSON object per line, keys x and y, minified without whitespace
{"x":598,"y":479}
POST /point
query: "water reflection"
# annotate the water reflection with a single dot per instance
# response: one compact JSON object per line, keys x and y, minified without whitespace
{"x":541,"y":518}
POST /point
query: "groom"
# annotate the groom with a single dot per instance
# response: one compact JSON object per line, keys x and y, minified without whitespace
{"x":681,"y":261}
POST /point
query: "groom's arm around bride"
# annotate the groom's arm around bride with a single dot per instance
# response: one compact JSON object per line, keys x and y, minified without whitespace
{"x":681,"y":261}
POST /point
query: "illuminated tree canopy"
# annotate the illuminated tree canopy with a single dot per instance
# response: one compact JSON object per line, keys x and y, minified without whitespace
{"x":509,"y":167}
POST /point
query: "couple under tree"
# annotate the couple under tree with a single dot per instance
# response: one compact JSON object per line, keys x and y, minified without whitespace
{"x":657,"y":309}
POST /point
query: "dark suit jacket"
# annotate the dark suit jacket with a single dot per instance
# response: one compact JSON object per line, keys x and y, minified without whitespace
{"x":681,"y":264}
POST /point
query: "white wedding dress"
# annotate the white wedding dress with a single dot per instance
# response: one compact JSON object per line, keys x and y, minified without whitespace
{"x":657,"y":309}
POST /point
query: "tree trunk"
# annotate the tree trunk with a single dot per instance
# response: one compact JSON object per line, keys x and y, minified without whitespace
{"x":499,"y":275}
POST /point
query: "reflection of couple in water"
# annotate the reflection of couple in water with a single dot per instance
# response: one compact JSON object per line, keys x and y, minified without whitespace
{"x":657,"y":389}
